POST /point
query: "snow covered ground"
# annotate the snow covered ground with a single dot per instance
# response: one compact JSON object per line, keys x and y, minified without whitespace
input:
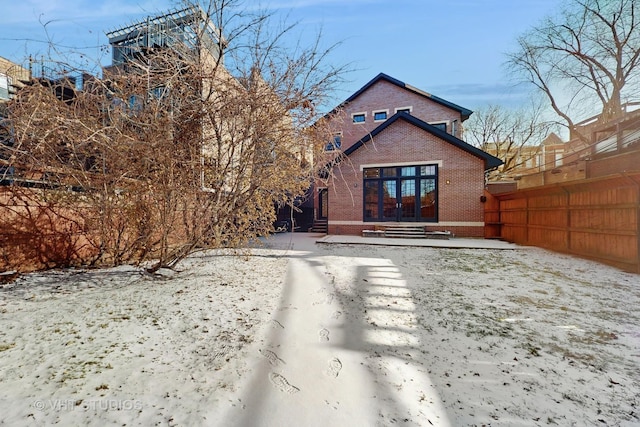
{"x":326,"y":335}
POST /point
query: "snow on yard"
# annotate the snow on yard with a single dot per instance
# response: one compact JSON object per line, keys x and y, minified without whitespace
{"x":318,"y":335}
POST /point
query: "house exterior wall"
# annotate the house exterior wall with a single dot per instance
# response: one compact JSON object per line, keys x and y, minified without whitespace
{"x":460,"y":181}
{"x":385,"y":96}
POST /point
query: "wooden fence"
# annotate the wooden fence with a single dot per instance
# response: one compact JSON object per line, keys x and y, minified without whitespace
{"x":595,"y":218}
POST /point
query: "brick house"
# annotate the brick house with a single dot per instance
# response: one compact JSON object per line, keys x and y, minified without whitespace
{"x":400,"y":160}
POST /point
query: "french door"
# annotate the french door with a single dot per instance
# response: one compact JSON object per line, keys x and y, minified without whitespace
{"x":399,"y":200}
{"x":402,"y":194}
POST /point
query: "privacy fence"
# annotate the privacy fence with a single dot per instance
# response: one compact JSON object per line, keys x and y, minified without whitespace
{"x":594,"y":218}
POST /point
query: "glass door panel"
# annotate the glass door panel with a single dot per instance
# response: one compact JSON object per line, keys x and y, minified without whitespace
{"x":408,"y":199}
{"x":389,"y":200}
{"x":371,"y":200}
{"x":428,"y":198}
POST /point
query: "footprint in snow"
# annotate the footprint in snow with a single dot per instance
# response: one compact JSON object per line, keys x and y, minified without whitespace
{"x":335,"y":365}
{"x":273,"y":358}
{"x":282,"y":384}
{"x":324,"y":334}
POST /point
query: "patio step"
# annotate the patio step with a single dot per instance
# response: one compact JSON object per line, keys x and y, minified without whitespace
{"x":320,"y":226}
{"x":414,"y":232}
{"x":405,"y":231}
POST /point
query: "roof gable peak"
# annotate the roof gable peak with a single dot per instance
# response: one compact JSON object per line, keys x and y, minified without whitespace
{"x":464,"y":112}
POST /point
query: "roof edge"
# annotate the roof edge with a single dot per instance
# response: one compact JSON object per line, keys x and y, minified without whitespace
{"x":490,"y":161}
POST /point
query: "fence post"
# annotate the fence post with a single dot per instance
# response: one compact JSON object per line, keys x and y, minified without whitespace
{"x":568,"y":219}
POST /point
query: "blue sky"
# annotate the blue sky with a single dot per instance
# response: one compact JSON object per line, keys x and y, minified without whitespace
{"x":453,"y":49}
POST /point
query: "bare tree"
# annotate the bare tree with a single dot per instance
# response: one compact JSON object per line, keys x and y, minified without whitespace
{"x":174,"y":149}
{"x":504,"y":133}
{"x":585,"y":60}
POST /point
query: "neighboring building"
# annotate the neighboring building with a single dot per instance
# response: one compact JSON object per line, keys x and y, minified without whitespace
{"x":187,"y":29}
{"x":612,"y":137}
{"x":400,"y":160}
{"x":517,"y":160}
{"x":552,"y":152}
{"x":191,"y":35}
{"x":12,"y":77}
{"x":529,"y":159}
{"x":596,"y":148}
{"x":188,"y":34}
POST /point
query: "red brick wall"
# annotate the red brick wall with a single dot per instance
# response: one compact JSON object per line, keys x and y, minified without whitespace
{"x":36,"y":234}
{"x":387,"y":96}
{"x":460,"y":180}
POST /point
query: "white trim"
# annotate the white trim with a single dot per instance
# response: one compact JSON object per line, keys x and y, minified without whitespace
{"x":374,"y":112}
{"x":362,"y":113}
{"x":390,"y":165}
{"x":409,"y":107}
{"x":431,"y":224}
{"x":461,"y":224}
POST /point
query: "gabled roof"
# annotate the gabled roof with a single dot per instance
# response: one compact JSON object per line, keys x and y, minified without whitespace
{"x":552,"y":139}
{"x":465,"y":113}
{"x":490,"y":161}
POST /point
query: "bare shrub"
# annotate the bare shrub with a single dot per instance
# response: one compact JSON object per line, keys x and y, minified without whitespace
{"x":170,"y":151}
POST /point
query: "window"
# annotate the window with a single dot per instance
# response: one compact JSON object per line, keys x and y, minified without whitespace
{"x":558,"y":158}
{"x":358,"y":118}
{"x":372,"y":173}
{"x":379,"y":116}
{"x":389,"y":172}
{"x":335,"y":144}
{"x":159,"y":92}
{"x":5,"y":82}
{"x":406,"y":110}
{"x":406,"y":193}
{"x":428,"y":170}
{"x":442,"y":126}
{"x":135,"y":103}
